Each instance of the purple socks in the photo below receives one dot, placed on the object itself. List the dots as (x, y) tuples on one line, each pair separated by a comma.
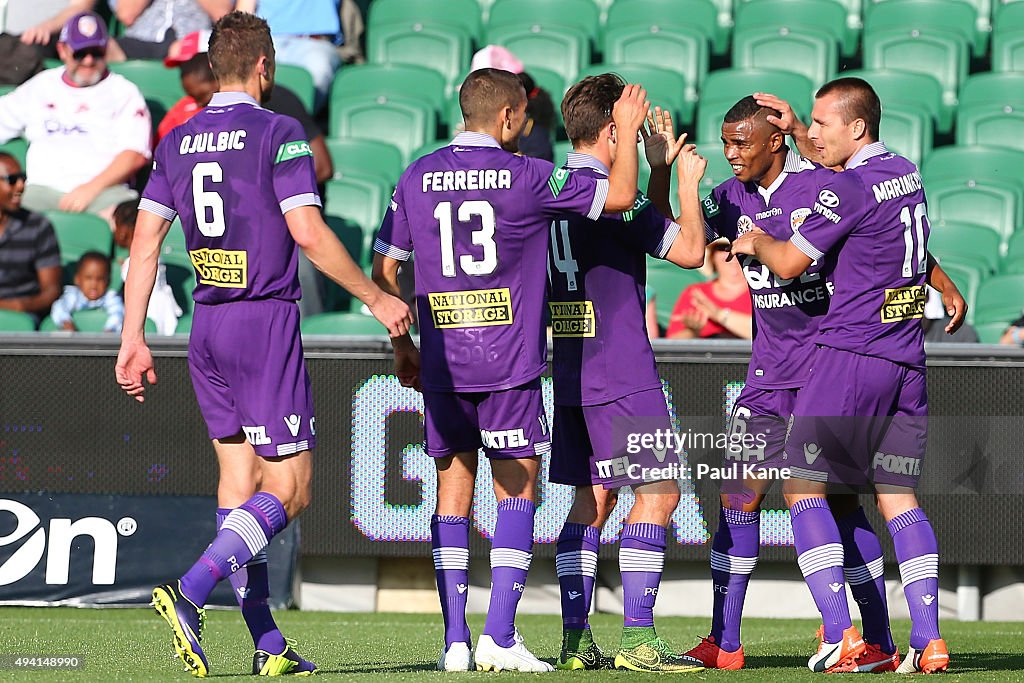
[(820, 556), (576, 566), (449, 538), (641, 560), (917, 551), (733, 559), (511, 553), (863, 569)]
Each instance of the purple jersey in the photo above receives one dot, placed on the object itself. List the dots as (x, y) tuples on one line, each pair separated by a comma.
[(231, 172), (875, 216), (786, 312), (477, 218), (597, 300)]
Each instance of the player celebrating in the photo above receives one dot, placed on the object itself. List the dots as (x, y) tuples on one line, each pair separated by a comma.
[(243, 182), (477, 218), (597, 307), (873, 218)]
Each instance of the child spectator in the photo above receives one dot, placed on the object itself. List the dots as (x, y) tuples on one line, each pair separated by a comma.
[(163, 308), (91, 290)]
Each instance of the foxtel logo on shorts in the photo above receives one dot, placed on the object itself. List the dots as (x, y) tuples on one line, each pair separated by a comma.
[(897, 464)]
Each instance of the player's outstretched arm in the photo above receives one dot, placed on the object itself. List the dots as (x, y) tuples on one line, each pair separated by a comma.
[(952, 300), (687, 251), (326, 252), (661, 148), (629, 114), (789, 124), (782, 258), (407, 356), (134, 360)]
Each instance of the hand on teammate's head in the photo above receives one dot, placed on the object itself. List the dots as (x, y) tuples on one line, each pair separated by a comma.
[(630, 111)]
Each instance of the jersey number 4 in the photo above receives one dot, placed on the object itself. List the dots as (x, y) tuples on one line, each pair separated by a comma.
[(562, 256), (208, 204), (482, 237)]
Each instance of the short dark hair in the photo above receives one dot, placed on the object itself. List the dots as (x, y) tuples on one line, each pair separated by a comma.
[(746, 109), (238, 40), (127, 213), (857, 100), (587, 107), (93, 256), (539, 105), (198, 66), (485, 92)]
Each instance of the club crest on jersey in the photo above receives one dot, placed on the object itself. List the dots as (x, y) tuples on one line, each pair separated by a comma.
[(828, 198), (797, 218), (744, 225)]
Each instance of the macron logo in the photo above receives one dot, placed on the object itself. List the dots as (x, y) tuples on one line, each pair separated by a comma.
[(811, 452), (573, 595), (928, 599), (836, 587), (293, 422), (462, 588)]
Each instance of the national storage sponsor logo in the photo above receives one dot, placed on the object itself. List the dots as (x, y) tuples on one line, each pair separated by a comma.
[(472, 308), (903, 303), (572, 319), (220, 268)]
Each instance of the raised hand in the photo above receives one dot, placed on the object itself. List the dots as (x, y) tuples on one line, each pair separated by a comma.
[(660, 144), (630, 111), (691, 166)]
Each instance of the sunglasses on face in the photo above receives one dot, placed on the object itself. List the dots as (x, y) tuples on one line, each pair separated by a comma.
[(13, 178), (94, 52)]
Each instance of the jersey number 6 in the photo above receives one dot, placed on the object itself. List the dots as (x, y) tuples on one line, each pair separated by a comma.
[(210, 224)]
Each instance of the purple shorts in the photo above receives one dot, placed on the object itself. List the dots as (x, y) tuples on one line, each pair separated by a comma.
[(592, 444), (758, 426), (506, 424), (249, 375), (860, 420)]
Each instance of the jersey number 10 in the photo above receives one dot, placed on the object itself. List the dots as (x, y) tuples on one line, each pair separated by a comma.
[(914, 222)]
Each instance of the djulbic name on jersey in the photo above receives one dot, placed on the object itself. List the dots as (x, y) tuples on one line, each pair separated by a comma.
[(212, 142)]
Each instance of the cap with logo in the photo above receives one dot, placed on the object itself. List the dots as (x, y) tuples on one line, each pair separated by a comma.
[(188, 47), (84, 30)]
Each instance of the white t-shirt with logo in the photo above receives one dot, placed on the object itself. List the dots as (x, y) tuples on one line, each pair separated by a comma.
[(74, 133)]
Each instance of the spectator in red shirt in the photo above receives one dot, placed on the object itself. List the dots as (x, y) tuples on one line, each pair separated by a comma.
[(718, 308)]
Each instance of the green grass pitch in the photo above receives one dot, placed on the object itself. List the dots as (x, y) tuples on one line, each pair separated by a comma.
[(135, 645)]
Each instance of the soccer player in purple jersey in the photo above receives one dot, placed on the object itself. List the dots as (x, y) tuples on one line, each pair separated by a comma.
[(477, 217), (861, 416), (597, 303), (774, 189), (242, 180)]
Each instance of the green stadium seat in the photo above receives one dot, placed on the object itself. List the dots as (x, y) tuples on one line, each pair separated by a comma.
[(723, 88), (89, 321), (16, 321), (993, 125), (907, 131), (952, 16), (299, 81), (562, 49), (184, 325), (17, 148), (993, 88), (1008, 37), (342, 323), (678, 48), (990, 203), (809, 52), (465, 14), (78, 233), (941, 54), (976, 163), (916, 90), (444, 49), (357, 242), (389, 80), (353, 155), (429, 148), (360, 199), (999, 298), (821, 16), (668, 284), (698, 15), (665, 88), (991, 333), (580, 14), (1012, 266), (953, 239), (404, 122), (159, 85), (1015, 246)]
